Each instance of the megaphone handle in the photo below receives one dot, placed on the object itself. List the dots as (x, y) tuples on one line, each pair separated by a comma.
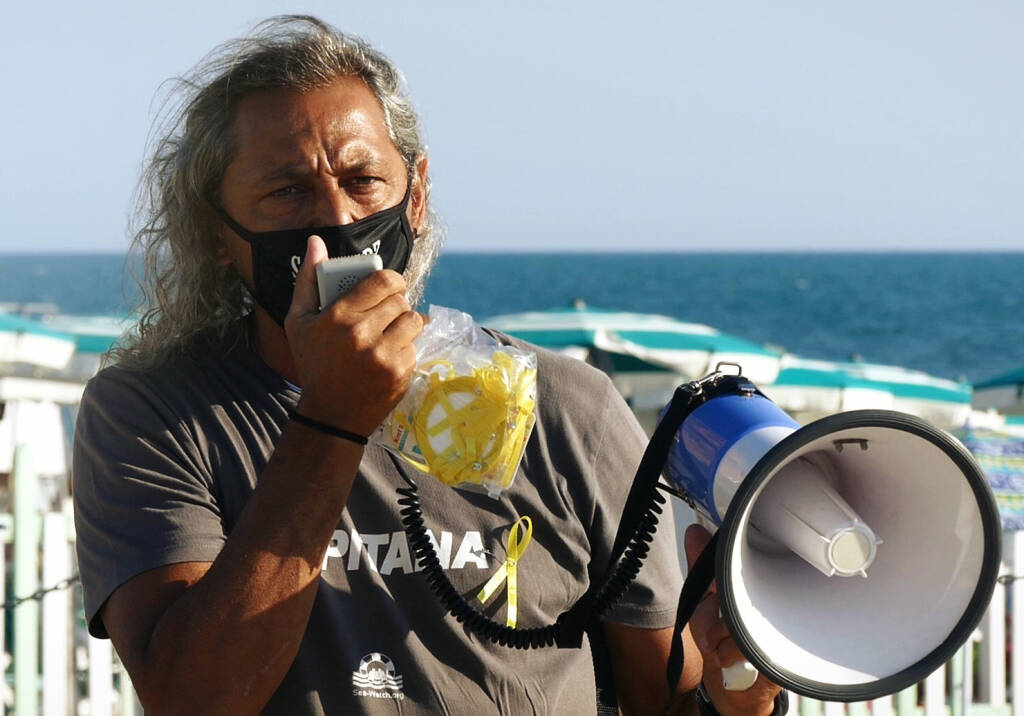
[(739, 677)]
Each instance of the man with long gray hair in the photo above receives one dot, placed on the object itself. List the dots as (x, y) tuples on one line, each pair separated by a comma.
[(238, 539)]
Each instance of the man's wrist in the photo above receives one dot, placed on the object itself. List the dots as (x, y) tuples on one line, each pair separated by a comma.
[(328, 429)]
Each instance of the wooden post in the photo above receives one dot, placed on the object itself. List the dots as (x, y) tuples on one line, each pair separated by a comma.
[(967, 692), (26, 582), (956, 680), (6, 532), (56, 615), (882, 707), (101, 677), (906, 701), (935, 693), (992, 656), (1015, 542), (810, 707)]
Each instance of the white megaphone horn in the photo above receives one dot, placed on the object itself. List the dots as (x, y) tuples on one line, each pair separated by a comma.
[(854, 555)]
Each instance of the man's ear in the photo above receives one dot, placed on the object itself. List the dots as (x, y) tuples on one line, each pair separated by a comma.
[(418, 195), (220, 249)]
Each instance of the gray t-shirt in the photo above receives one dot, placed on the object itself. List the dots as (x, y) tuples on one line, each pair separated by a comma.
[(164, 463)]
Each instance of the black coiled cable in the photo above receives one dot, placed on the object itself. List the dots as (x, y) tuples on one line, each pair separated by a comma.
[(612, 589), (600, 600), (632, 544)]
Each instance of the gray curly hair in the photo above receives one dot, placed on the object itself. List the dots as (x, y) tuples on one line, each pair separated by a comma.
[(186, 296)]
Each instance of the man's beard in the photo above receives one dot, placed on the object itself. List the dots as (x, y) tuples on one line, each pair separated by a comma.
[(424, 253)]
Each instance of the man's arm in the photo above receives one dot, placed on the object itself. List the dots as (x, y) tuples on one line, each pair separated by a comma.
[(640, 657), (219, 637)]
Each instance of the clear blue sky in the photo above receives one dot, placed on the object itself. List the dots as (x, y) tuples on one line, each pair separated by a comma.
[(581, 126)]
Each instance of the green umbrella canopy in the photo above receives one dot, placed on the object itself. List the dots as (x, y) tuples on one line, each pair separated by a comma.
[(640, 341), (25, 341), (10, 323), (1012, 378), (92, 334), (824, 387), (1004, 393)]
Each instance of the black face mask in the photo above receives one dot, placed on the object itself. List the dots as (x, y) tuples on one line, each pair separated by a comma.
[(277, 255)]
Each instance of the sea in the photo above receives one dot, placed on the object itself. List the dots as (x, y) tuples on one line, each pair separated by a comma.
[(953, 315)]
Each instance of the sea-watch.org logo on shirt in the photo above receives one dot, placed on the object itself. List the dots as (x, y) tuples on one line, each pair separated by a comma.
[(377, 678)]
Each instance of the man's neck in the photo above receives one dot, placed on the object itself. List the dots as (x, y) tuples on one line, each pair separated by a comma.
[(272, 345)]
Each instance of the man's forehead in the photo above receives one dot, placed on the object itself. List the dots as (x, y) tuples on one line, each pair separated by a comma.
[(343, 120), (274, 165), (346, 101)]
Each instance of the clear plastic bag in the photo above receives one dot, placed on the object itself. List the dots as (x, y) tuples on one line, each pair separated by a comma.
[(469, 410)]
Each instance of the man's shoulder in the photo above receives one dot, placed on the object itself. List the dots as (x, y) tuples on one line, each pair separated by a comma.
[(182, 379), (569, 390), (165, 375), (142, 399)]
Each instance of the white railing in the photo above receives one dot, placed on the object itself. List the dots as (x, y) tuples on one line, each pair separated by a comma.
[(80, 676)]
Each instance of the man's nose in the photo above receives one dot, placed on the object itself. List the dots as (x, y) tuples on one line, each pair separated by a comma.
[(334, 208)]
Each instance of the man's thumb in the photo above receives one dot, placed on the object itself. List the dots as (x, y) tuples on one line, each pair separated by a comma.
[(306, 298), (695, 539)]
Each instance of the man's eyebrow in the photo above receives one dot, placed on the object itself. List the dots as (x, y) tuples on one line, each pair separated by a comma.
[(357, 161), (298, 170), (285, 172)]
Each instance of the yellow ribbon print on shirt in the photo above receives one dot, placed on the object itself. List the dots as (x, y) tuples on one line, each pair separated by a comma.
[(508, 571)]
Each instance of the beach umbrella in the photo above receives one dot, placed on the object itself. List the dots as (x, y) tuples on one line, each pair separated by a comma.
[(813, 388), (1001, 457), (28, 342), (93, 337), (646, 355), (1004, 393), (639, 343), (92, 334), (1014, 424)]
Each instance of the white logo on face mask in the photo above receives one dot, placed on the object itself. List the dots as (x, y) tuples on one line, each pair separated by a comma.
[(377, 678), (296, 264), (372, 249)]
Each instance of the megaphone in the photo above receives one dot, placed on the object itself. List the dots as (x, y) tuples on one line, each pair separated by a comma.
[(854, 554)]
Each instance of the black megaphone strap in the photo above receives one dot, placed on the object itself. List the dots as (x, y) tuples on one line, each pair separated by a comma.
[(694, 588)]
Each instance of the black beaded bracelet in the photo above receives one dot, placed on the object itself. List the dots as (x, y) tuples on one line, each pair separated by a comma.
[(707, 708), (329, 429)]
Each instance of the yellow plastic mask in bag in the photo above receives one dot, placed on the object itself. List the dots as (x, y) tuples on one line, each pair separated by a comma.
[(470, 428)]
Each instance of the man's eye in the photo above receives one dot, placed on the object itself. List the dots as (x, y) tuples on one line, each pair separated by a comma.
[(287, 191), (362, 182)]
